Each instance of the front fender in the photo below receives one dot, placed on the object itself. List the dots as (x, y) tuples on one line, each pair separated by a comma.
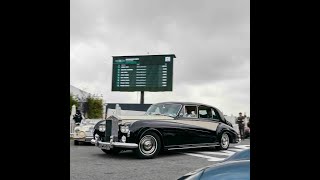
[(138, 133), (233, 135), (139, 128)]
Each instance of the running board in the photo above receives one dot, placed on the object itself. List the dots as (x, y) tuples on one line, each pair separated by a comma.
[(193, 146)]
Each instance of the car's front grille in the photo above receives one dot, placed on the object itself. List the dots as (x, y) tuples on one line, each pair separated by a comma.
[(108, 129), (112, 128)]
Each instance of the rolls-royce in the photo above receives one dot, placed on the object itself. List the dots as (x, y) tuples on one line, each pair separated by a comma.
[(165, 126)]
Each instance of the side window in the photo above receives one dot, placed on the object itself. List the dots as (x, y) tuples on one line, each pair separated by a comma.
[(215, 114), (205, 112), (190, 112)]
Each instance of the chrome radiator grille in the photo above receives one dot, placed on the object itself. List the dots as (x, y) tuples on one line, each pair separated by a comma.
[(112, 128)]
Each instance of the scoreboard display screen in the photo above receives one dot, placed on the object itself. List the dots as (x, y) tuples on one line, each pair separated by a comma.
[(142, 73)]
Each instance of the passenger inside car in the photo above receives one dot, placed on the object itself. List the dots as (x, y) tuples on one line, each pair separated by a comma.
[(190, 112)]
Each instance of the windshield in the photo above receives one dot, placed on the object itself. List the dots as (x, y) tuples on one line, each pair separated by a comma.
[(164, 109)]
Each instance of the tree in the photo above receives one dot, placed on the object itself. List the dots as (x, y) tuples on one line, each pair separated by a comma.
[(95, 107)]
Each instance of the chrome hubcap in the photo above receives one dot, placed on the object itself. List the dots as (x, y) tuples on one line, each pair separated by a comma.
[(225, 140), (148, 145)]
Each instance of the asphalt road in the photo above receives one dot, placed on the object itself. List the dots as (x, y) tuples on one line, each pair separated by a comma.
[(89, 162)]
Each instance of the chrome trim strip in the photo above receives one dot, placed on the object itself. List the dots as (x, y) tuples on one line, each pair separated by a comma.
[(190, 147), (194, 144)]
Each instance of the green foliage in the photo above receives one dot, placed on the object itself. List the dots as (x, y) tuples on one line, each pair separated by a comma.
[(95, 107)]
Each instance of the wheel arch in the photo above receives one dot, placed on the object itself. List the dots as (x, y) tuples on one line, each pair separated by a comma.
[(224, 129)]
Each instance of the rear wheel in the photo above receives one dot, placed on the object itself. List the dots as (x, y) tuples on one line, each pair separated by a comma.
[(224, 142), (149, 146)]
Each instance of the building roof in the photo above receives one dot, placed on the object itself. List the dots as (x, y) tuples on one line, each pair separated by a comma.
[(82, 95)]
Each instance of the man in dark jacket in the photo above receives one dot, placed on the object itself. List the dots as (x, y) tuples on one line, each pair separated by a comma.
[(240, 122), (77, 117)]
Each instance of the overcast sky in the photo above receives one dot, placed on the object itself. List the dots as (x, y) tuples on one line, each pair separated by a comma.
[(211, 39)]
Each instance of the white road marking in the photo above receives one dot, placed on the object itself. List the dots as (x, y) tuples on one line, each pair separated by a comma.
[(242, 146), (226, 153), (221, 153), (210, 158), (237, 150)]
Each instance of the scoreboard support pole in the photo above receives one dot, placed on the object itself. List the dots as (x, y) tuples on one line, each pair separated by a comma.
[(142, 97)]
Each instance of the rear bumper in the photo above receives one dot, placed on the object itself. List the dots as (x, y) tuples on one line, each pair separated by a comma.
[(110, 145)]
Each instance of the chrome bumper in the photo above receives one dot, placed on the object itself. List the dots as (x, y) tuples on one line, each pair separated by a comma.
[(86, 139), (109, 145)]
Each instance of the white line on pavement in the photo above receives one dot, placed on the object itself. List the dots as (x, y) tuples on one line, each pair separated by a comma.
[(237, 150), (242, 146), (210, 158), (221, 153)]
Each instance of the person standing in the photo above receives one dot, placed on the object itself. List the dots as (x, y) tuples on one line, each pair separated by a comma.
[(77, 117), (240, 122)]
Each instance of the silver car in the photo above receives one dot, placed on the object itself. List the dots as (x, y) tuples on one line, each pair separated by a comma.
[(83, 132)]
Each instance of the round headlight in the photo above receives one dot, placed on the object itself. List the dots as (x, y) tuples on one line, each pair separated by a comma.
[(102, 128), (124, 129), (123, 139), (96, 137), (82, 134), (76, 130)]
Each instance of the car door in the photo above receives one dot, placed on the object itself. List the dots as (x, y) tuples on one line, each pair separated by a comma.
[(207, 124), (177, 133), (203, 128)]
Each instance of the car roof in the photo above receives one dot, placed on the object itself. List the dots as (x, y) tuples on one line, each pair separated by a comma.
[(185, 103)]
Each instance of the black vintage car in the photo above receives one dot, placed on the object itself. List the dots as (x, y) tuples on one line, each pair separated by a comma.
[(165, 126)]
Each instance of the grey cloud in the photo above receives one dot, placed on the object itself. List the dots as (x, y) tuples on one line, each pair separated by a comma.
[(211, 40)]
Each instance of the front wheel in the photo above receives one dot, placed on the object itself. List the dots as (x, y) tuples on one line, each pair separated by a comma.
[(224, 142), (149, 146)]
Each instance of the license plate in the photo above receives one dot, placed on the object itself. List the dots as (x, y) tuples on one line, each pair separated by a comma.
[(103, 146)]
